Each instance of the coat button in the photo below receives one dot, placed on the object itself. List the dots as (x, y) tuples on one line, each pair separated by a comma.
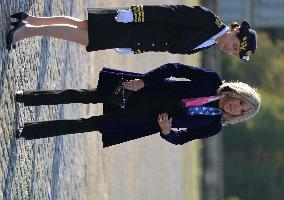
[(166, 44), (153, 44), (138, 44)]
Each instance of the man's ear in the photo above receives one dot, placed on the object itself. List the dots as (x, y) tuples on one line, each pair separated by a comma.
[(236, 30)]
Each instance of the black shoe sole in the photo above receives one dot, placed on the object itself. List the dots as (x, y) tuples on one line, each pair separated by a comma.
[(19, 98), (21, 16), (9, 37)]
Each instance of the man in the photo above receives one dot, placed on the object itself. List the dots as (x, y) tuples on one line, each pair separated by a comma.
[(177, 29)]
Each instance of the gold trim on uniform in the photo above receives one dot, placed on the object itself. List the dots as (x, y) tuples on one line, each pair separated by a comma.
[(249, 53), (243, 44), (137, 51), (138, 13), (218, 22)]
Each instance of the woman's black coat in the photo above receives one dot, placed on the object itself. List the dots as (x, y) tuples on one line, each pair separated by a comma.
[(140, 116)]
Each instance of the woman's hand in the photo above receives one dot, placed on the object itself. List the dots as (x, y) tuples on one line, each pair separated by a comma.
[(165, 123), (133, 85)]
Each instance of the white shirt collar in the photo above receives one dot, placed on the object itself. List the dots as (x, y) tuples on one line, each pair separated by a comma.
[(220, 33)]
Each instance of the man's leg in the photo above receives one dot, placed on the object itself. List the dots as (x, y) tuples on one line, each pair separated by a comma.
[(60, 31), (40, 21)]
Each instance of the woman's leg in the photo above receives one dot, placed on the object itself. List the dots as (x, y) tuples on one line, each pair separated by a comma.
[(54, 97), (40, 21), (44, 129), (60, 31)]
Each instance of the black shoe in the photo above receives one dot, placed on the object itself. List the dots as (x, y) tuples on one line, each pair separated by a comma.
[(21, 16), (10, 35), (19, 96), (19, 133), (14, 23)]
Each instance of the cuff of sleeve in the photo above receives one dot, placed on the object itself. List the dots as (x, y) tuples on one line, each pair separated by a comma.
[(123, 50), (166, 136), (138, 13), (146, 80)]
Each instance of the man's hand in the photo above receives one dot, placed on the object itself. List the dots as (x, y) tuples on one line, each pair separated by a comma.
[(165, 123), (124, 16), (133, 85)]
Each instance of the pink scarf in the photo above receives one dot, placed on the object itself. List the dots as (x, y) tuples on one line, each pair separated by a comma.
[(199, 101)]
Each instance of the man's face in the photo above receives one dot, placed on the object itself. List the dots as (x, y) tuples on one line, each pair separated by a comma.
[(230, 43)]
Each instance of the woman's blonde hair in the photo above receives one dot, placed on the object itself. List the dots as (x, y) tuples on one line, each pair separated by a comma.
[(246, 93)]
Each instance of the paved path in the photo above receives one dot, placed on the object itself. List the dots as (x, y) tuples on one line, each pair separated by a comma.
[(74, 167)]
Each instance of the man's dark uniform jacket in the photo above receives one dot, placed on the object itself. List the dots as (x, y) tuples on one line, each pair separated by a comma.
[(140, 116), (173, 28)]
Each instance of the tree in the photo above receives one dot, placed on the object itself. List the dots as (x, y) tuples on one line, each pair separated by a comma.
[(254, 151)]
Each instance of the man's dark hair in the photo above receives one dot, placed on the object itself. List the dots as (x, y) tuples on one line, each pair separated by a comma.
[(234, 25)]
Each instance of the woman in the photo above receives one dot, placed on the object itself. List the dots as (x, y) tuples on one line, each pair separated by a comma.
[(172, 28), (202, 105)]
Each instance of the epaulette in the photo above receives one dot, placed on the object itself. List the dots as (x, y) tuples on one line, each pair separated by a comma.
[(138, 13)]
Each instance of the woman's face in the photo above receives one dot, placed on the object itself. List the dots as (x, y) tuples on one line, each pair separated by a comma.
[(234, 106), (229, 43)]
